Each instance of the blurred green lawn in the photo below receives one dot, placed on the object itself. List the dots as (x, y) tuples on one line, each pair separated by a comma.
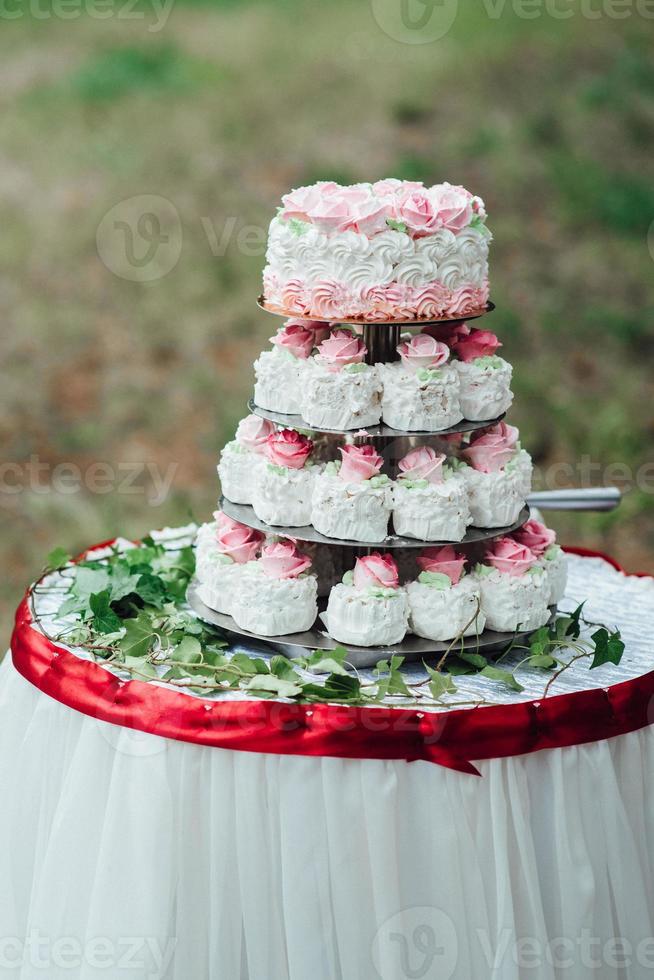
[(220, 112)]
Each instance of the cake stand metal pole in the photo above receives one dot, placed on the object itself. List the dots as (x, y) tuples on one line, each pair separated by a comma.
[(381, 341)]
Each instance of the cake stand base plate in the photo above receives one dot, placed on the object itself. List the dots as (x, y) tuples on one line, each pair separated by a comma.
[(299, 644)]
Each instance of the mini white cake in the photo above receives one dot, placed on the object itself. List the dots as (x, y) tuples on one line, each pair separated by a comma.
[(367, 619), (512, 603), (277, 595), (496, 499), (432, 511), (345, 399), (351, 499), (363, 610), (555, 565), (284, 488), (225, 551), (541, 541), (514, 590), (241, 459), (284, 496), (484, 387), (444, 611), (421, 392), (277, 385)]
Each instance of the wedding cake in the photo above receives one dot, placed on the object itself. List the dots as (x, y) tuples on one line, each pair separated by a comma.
[(375, 492)]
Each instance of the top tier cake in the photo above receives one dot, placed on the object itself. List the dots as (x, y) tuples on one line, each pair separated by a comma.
[(392, 250)]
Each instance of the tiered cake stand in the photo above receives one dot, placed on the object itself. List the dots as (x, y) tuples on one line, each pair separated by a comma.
[(381, 340)]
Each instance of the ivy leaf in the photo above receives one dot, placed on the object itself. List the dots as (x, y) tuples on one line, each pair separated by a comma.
[(326, 661), (188, 651), (574, 629), (504, 676), (440, 683), (151, 590), (143, 667), (275, 685), (250, 665), (539, 643), (105, 619), (393, 684), (475, 659), (609, 647), (139, 636), (543, 660), (282, 667), (337, 687), (57, 558)]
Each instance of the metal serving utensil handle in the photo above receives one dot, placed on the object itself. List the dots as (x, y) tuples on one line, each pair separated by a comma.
[(586, 498)]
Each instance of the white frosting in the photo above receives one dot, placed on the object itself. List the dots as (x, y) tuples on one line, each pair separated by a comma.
[(218, 576), (277, 386), (484, 392), (275, 607), (496, 499), (515, 601), (340, 399), (355, 511), (442, 614), (366, 620), (390, 256), (239, 470), (283, 496), (556, 570), (414, 405), (437, 512)]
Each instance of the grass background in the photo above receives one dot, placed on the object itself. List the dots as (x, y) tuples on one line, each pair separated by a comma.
[(220, 112)]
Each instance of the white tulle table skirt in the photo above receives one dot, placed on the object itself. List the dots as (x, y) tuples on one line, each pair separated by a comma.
[(127, 855)]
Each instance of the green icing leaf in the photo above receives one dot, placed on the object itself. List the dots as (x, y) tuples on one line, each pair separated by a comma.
[(435, 580), (429, 374), (356, 368), (381, 480), (298, 227), (332, 468), (348, 578), (280, 470), (396, 225), (492, 361), (413, 484)]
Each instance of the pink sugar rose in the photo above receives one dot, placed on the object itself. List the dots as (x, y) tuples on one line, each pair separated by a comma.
[(223, 521), (445, 561), (376, 571), (338, 211), (391, 185), (535, 536), (300, 201), (415, 208), (509, 557), (283, 560), (320, 328), (479, 343), (423, 463), (238, 542), (342, 348), (422, 351), (288, 448), (359, 463), (448, 333), (491, 452), (509, 433), (252, 433), (298, 340), (452, 206)]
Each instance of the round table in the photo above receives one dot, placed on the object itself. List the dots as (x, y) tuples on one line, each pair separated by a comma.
[(127, 853)]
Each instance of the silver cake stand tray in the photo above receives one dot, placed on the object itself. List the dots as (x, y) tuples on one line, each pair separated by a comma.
[(360, 322), (298, 644), (297, 422), (474, 535)]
